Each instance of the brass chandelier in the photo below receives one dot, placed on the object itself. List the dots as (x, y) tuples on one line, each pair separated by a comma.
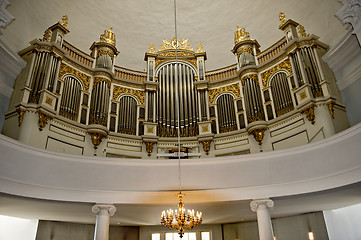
[(179, 219)]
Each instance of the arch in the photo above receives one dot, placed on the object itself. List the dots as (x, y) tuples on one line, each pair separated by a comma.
[(76, 78), (127, 114), (157, 68), (275, 73), (129, 95), (220, 94), (281, 93), (226, 113), (70, 98)]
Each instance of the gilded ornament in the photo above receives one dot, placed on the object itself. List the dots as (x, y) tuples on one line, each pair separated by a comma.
[(234, 88), (205, 129), (310, 113), (303, 95), (173, 54), (206, 146), (149, 147), (64, 21), (108, 37), (175, 44), (245, 49), (47, 35), (103, 52), (49, 101), (258, 134), (285, 65), (21, 113), (302, 32), (118, 90), (253, 77), (150, 130), (151, 48), (241, 35), (43, 120), (98, 80), (96, 138), (200, 48), (331, 108), (85, 79), (282, 18)]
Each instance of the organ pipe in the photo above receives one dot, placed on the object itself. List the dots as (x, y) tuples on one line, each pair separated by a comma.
[(176, 86)]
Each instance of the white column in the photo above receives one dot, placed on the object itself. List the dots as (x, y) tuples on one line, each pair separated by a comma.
[(103, 214), (302, 67), (260, 206)]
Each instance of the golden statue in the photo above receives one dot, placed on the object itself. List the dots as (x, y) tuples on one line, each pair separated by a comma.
[(47, 35), (200, 48), (240, 35), (64, 21), (108, 37), (302, 32), (151, 48), (282, 18)]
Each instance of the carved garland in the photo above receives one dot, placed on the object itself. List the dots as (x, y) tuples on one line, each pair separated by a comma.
[(85, 79), (149, 147), (254, 77), (206, 146), (191, 61), (234, 88), (118, 90), (285, 65)]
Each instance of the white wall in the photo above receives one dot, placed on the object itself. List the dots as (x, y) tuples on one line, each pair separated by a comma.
[(344, 223), (17, 228)]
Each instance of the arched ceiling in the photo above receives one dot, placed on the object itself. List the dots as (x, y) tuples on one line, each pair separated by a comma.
[(141, 22)]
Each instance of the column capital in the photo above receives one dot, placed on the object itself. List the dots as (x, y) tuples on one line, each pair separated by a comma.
[(257, 202), (104, 209)]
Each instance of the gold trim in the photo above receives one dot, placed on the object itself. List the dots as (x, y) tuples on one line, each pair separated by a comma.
[(241, 35), (21, 113), (85, 79), (234, 88), (331, 108), (118, 90), (49, 101), (285, 65)]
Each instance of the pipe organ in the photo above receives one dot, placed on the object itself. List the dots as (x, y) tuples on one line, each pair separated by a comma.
[(280, 94)]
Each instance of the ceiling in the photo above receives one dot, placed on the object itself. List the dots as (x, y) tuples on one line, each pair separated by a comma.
[(137, 23)]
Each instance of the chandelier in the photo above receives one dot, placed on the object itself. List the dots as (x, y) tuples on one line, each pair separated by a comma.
[(179, 219)]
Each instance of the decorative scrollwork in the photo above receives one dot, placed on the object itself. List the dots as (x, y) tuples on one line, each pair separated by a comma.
[(331, 108), (175, 44), (285, 65), (234, 88), (85, 79), (118, 90), (98, 80)]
